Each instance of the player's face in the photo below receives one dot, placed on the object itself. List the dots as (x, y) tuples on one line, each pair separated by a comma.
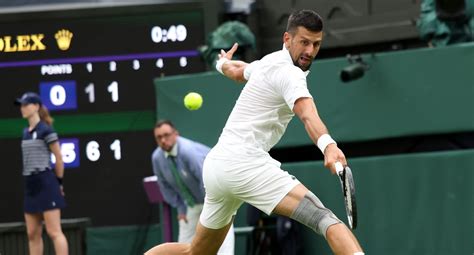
[(165, 137), (29, 110), (303, 46)]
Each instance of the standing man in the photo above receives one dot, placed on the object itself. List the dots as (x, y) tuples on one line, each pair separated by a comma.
[(177, 162), (239, 169)]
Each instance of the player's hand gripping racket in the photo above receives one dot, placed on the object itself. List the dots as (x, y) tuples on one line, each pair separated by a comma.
[(348, 190)]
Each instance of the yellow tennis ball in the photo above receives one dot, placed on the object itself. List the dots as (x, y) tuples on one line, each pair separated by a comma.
[(193, 101)]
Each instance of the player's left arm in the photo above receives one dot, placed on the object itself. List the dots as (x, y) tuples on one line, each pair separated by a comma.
[(306, 110), (233, 69)]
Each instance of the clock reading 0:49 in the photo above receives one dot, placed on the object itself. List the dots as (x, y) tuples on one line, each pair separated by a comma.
[(173, 34)]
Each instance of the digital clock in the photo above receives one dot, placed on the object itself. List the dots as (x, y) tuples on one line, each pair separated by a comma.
[(173, 33)]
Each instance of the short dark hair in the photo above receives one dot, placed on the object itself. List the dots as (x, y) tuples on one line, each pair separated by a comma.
[(163, 122), (304, 18)]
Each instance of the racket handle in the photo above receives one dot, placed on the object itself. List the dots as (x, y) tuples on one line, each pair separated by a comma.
[(339, 167)]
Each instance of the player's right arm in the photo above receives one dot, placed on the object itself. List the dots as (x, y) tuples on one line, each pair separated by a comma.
[(290, 82), (306, 110)]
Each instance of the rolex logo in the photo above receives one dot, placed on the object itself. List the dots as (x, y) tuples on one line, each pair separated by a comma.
[(63, 38)]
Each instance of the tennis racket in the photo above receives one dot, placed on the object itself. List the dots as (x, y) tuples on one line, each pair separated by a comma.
[(348, 190)]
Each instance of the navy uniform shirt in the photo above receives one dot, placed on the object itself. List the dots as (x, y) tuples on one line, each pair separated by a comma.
[(35, 148)]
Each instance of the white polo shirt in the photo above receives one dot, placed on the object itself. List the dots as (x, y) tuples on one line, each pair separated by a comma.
[(264, 107)]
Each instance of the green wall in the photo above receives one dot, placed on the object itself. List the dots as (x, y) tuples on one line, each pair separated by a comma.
[(424, 91)]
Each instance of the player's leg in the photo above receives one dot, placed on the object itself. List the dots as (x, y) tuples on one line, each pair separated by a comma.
[(52, 221), (170, 249), (34, 230), (341, 240), (206, 241), (228, 246), (188, 230), (303, 206)]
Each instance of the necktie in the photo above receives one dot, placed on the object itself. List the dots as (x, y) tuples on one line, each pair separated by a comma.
[(182, 187)]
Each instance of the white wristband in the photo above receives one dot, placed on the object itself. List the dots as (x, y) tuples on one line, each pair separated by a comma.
[(324, 141), (219, 64)]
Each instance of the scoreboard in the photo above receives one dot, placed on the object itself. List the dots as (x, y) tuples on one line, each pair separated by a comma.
[(94, 71), (99, 63)]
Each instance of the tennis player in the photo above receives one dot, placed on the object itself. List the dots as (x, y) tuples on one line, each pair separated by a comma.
[(239, 169)]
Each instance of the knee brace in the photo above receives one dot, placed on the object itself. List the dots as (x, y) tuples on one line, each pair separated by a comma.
[(312, 213)]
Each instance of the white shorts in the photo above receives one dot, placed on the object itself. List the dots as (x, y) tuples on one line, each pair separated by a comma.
[(229, 183)]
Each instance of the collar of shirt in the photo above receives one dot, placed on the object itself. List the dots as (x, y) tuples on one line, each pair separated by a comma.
[(35, 127), (173, 152), (287, 55)]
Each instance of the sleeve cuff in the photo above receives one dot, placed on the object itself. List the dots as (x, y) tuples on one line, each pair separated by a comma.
[(249, 69)]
